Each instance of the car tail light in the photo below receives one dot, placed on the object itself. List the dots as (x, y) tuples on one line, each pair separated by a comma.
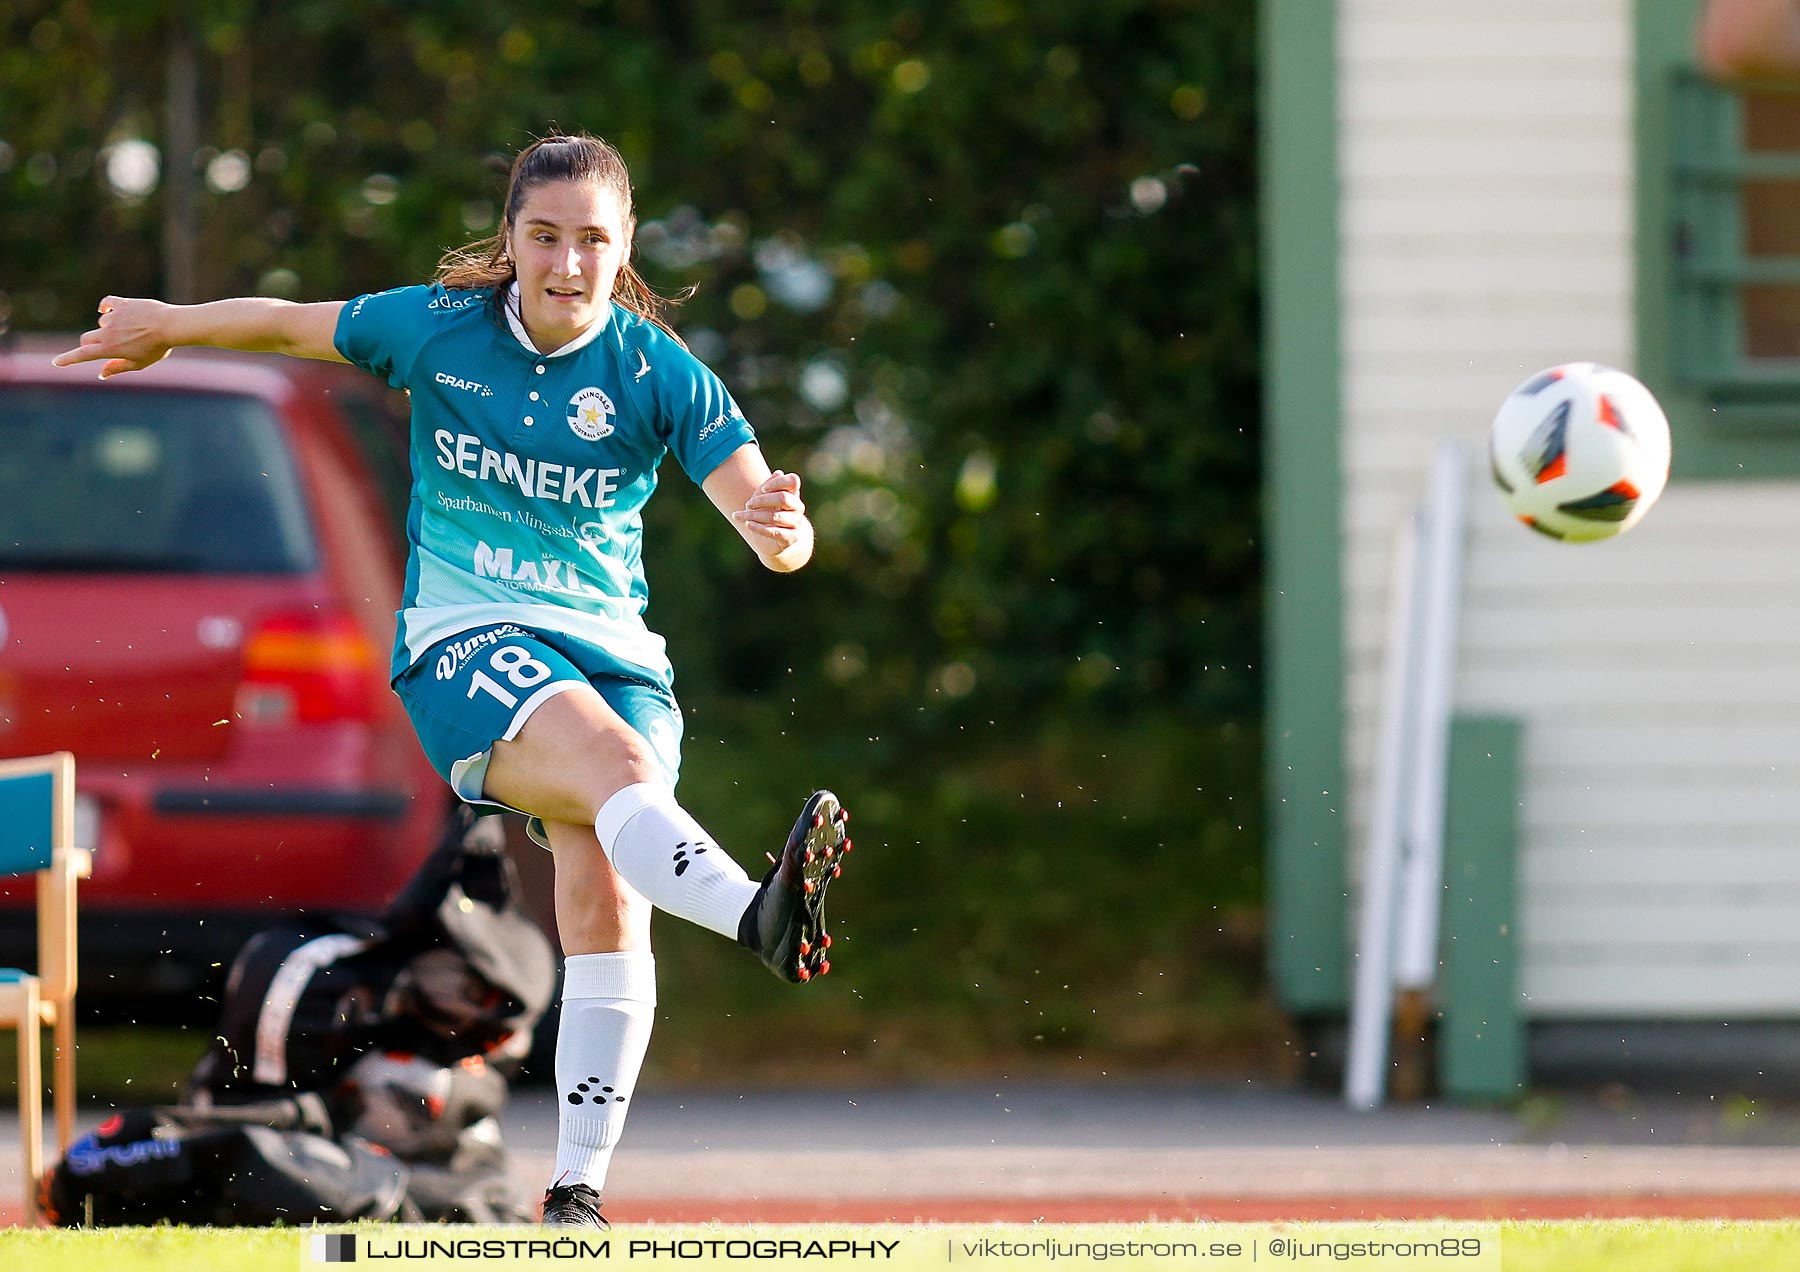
[(308, 668)]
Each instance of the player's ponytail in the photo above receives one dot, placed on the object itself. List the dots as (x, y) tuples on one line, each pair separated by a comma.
[(560, 157)]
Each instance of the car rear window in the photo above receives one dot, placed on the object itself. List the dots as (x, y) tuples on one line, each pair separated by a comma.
[(380, 433), (134, 480)]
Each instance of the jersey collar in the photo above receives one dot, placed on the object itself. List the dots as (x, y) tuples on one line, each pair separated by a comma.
[(518, 328)]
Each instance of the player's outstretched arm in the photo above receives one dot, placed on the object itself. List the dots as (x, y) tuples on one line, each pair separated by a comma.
[(765, 507), (132, 334)]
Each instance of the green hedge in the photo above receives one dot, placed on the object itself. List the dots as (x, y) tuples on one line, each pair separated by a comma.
[(983, 271)]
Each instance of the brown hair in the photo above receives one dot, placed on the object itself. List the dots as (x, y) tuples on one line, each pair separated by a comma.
[(559, 157)]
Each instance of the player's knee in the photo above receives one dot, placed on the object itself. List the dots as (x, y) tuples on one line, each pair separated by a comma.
[(622, 810), (635, 762), (603, 763)]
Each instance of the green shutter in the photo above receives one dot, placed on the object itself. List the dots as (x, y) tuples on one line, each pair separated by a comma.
[(1481, 1041), (1304, 611)]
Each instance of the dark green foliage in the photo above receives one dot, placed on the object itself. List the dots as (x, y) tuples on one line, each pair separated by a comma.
[(1085, 904), (983, 271)]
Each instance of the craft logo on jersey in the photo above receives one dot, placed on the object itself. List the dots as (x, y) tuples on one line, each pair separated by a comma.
[(590, 414)]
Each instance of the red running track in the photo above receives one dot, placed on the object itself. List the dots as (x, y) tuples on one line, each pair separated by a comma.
[(1213, 1209)]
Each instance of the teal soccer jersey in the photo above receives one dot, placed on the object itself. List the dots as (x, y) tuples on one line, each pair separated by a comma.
[(530, 470)]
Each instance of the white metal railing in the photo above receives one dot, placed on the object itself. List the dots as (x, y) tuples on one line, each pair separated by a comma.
[(1402, 867)]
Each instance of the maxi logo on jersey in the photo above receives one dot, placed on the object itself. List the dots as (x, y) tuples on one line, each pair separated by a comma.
[(544, 574), (590, 414), (463, 453)]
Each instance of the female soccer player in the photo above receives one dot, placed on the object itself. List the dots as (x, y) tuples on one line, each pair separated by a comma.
[(545, 390)]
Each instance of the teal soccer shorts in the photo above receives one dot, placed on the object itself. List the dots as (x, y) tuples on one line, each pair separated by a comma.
[(480, 687)]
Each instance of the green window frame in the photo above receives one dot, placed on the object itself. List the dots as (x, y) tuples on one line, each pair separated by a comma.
[(1733, 415), (1308, 935)]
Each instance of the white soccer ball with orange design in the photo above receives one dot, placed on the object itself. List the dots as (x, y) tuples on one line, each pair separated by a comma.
[(1580, 452)]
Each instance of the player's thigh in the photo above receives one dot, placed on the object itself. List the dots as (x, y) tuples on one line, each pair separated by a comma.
[(472, 696), (569, 758)]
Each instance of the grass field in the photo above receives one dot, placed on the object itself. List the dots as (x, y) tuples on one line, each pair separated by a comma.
[(1581, 1246)]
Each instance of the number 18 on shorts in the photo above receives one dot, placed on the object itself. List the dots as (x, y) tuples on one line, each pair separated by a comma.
[(513, 661), (477, 688)]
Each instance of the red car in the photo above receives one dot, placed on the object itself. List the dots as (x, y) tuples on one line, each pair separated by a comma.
[(199, 568)]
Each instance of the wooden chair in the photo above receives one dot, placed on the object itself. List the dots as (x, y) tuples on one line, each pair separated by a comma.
[(37, 832)]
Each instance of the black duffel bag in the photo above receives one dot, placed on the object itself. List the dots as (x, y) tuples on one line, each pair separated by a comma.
[(208, 1167), (455, 967)]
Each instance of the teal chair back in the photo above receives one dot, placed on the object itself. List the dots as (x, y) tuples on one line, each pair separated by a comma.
[(27, 822), (37, 823)]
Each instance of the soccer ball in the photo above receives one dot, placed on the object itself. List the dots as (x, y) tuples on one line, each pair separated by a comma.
[(1580, 452)]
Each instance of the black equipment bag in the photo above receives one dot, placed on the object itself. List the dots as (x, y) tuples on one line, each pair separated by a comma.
[(304, 999), (183, 1166), (443, 1122), (358, 1069), (401, 1140), (454, 968)]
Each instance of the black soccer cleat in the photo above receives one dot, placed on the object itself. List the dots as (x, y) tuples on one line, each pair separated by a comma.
[(573, 1206), (785, 924)]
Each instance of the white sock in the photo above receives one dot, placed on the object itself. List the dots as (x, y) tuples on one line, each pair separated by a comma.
[(609, 1004), (662, 852)]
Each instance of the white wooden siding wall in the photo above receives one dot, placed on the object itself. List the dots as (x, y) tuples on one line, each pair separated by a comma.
[(1487, 213)]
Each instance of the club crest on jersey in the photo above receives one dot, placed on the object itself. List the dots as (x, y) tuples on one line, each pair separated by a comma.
[(590, 414)]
